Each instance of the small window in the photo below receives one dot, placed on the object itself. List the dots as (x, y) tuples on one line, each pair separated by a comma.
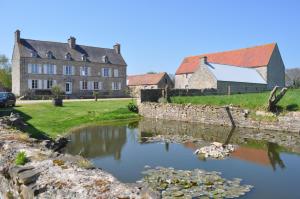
[(49, 84), (105, 72), (116, 86), (105, 59), (84, 85), (68, 56), (34, 84), (49, 55), (68, 70), (96, 85), (84, 71), (34, 69), (33, 54), (83, 57), (50, 69)]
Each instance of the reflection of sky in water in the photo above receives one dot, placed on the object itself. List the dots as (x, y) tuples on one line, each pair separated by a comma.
[(118, 151)]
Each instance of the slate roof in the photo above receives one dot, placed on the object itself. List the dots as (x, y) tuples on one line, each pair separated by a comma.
[(146, 79), (59, 50), (235, 74), (252, 57)]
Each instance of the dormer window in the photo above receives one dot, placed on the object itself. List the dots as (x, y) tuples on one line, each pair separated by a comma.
[(105, 59), (33, 54), (83, 57), (68, 56), (49, 55)]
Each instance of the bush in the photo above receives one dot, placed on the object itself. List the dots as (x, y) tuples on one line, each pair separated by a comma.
[(132, 107), (56, 92), (21, 158)]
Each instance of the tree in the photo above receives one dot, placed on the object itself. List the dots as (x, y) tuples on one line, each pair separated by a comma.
[(151, 72), (5, 72), (293, 77)]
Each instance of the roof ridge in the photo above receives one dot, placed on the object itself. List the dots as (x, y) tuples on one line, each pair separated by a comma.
[(148, 74), (64, 43), (251, 47)]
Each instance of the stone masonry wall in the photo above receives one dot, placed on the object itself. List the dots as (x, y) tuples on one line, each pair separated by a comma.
[(226, 116)]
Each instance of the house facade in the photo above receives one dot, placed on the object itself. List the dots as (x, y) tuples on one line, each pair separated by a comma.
[(148, 81), (238, 71), (79, 70)]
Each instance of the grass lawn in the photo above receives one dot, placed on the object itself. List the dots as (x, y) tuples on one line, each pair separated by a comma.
[(45, 119), (254, 101)]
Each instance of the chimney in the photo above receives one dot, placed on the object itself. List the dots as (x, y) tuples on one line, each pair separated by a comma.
[(117, 48), (203, 60), (17, 36), (72, 42)]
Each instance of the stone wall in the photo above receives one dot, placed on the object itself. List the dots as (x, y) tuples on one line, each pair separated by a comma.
[(152, 95), (226, 116), (240, 87)]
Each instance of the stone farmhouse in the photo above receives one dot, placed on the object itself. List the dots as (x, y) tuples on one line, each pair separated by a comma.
[(251, 69), (148, 81), (79, 70)]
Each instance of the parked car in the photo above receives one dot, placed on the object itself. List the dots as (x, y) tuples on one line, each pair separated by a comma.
[(7, 99)]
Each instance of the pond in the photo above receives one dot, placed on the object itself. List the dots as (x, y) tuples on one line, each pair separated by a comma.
[(124, 150)]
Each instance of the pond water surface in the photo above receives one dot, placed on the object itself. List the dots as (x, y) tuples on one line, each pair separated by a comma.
[(272, 169)]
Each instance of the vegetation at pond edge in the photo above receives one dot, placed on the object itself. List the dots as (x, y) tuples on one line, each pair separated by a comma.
[(254, 101), (45, 119)]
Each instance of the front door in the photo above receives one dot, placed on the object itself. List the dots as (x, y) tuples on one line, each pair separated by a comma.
[(68, 88)]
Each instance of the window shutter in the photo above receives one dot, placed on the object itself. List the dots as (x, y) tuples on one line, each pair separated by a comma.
[(73, 70), (80, 84), (29, 68), (89, 71), (100, 85), (40, 68), (119, 86), (64, 70), (45, 84), (80, 71), (112, 86), (109, 73), (54, 69), (29, 84), (45, 69), (102, 72), (89, 85), (40, 84), (116, 73), (54, 82)]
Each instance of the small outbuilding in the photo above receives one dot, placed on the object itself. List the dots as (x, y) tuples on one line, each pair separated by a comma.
[(148, 81)]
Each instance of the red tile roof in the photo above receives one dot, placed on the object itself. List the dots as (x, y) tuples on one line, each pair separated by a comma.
[(252, 57), (146, 79)]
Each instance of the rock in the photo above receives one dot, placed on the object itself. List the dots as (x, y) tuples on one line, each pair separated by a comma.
[(28, 176), (215, 150)]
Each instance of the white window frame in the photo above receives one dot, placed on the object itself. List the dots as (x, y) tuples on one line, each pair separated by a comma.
[(84, 85), (96, 85), (68, 70), (105, 72), (50, 69), (84, 71), (49, 84), (116, 86), (34, 69), (34, 84)]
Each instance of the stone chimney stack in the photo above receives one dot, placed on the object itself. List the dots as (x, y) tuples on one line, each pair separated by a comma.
[(203, 60), (72, 42), (117, 48), (17, 36)]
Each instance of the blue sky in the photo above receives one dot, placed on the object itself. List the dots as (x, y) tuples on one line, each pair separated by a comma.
[(156, 35)]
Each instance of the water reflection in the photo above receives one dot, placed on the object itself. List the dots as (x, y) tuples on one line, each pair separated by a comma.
[(98, 141)]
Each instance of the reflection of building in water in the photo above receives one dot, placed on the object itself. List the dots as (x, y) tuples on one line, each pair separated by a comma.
[(98, 141)]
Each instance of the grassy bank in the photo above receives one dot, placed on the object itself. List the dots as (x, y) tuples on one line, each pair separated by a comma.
[(45, 119), (254, 101)]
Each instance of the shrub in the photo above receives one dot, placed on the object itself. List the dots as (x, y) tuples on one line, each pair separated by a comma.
[(57, 92), (132, 107), (21, 158)]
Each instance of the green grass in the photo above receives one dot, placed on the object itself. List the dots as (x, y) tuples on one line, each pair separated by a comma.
[(21, 158), (254, 101), (45, 119)]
